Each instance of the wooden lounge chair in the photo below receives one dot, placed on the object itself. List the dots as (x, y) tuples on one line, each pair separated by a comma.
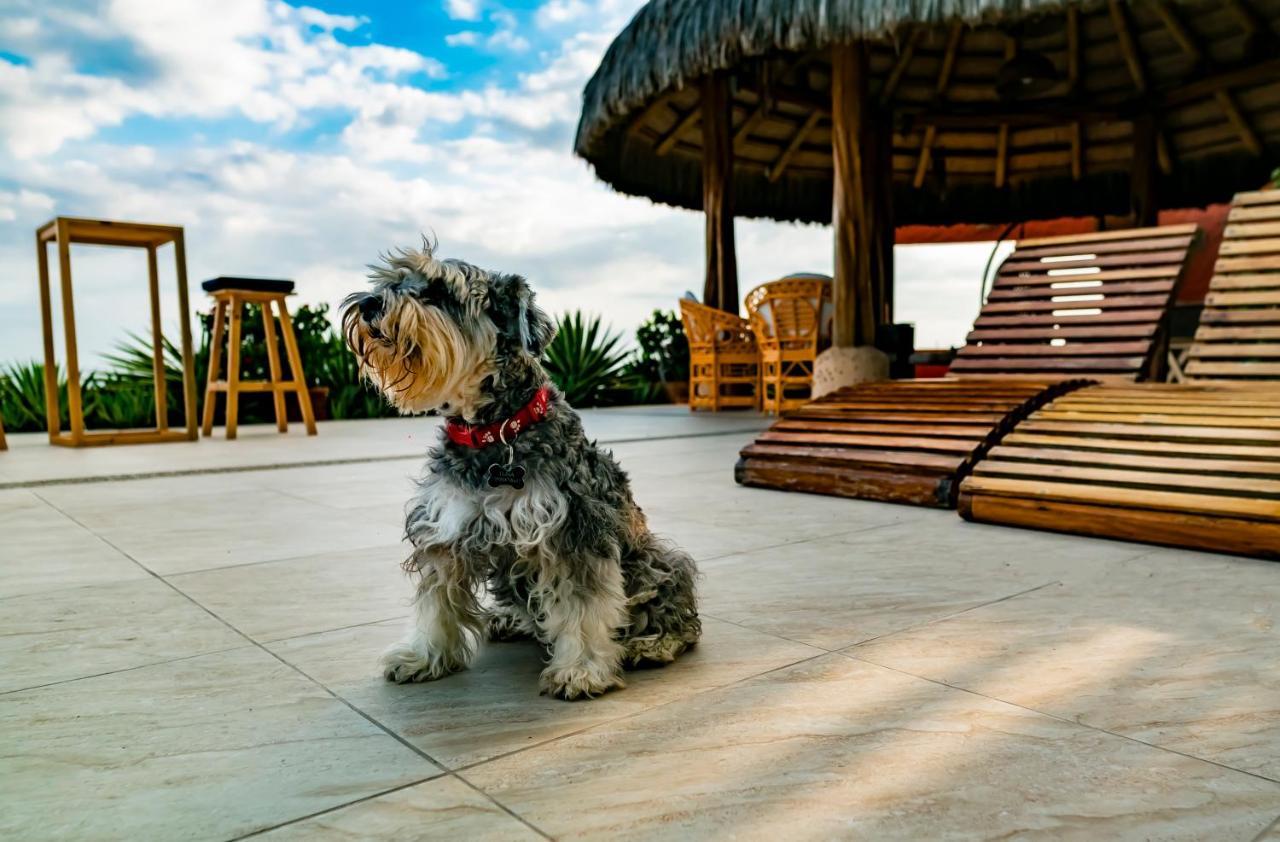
[(791, 319), (724, 360), (1063, 312), (1195, 464)]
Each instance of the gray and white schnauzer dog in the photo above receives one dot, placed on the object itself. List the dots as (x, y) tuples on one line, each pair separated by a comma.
[(514, 496)]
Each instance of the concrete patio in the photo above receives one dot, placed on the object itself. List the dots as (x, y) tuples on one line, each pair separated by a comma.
[(189, 637)]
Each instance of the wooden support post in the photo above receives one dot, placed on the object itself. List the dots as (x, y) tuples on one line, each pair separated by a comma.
[(860, 203), (1144, 175), (721, 287), (52, 410), (188, 348), (74, 399), (157, 342)]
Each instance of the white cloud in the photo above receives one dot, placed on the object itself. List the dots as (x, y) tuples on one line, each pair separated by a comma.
[(462, 9), (467, 38)]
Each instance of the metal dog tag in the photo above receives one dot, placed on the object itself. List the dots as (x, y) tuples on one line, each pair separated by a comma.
[(512, 475)]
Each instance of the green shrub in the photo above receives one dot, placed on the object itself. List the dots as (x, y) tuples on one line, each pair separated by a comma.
[(662, 356)]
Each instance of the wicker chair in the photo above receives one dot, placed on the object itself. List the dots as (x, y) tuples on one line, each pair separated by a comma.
[(791, 319), (724, 362)]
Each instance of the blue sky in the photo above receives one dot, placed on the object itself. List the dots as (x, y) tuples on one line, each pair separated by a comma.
[(300, 140)]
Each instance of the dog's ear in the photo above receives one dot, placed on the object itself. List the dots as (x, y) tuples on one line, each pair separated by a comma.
[(518, 317)]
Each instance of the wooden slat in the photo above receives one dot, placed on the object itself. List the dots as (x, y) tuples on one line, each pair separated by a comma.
[(1140, 317), (1151, 462), (1247, 350), (1148, 258), (1049, 332), (1240, 369), (1124, 497), (1166, 431), (1044, 291), (1262, 488), (1150, 272), (1255, 281), (1198, 448), (1116, 302), (1107, 236), (1064, 365), (1045, 350), (1150, 243)]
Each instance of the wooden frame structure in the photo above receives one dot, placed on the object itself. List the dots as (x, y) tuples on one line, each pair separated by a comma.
[(63, 231), (227, 309)]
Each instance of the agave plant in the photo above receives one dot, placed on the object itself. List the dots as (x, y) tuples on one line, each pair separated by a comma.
[(586, 360), (22, 403)]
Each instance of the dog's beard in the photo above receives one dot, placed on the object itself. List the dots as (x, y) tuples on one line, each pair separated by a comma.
[(421, 359)]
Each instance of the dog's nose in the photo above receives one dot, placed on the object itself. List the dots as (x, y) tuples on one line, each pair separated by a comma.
[(370, 308)]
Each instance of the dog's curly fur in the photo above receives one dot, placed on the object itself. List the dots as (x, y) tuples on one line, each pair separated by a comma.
[(569, 558)]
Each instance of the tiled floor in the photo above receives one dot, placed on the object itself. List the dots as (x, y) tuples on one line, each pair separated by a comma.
[(192, 656)]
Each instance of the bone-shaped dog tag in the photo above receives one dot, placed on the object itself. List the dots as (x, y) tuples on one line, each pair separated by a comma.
[(512, 475)]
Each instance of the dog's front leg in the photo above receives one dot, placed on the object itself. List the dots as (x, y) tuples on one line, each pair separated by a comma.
[(446, 626), (580, 619)]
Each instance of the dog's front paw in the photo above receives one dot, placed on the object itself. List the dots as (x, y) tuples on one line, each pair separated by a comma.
[(580, 681), (405, 662)]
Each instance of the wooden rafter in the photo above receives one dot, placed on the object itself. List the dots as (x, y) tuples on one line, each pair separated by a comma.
[(1163, 156), (1245, 17), (1002, 133), (1073, 88), (940, 89), (683, 123), (1184, 38), (1128, 46), (900, 66), (776, 169), (1237, 119), (753, 120)]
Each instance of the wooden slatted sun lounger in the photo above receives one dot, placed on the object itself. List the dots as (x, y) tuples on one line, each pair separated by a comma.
[(1193, 465), (1063, 312)]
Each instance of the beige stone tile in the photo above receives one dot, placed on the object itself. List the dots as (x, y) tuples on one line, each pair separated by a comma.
[(277, 599), (1272, 833), (715, 500), (494, 708), (204, 748), (1176, 649), (828, 594), (42, 550), (196, 532), (77, 632), (833, 748), (444, 808)]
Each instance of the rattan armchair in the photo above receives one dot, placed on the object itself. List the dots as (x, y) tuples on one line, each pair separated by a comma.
[(791, 319), (724, 361)]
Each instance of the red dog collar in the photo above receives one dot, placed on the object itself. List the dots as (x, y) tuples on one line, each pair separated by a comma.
[(481, 436)]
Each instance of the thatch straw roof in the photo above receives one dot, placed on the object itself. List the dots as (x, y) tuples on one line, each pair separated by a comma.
[(1207, 70)]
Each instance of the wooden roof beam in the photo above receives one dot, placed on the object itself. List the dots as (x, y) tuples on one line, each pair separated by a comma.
[(1237, 119), (1128, 46), (1073, 88), (1184, 38), (1002, 133), (954, 37), (683, 124), (775, 170), (900, 66)]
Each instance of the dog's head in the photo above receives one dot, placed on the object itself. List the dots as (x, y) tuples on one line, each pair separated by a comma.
[(431, 333)]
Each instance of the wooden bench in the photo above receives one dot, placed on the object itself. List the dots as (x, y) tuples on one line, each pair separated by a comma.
[(1063, 312)]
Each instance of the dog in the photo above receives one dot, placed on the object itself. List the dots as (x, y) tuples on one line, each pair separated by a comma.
[(515, 500)]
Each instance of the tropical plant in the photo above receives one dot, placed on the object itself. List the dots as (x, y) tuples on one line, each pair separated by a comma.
[(22, 403), (586, 360)]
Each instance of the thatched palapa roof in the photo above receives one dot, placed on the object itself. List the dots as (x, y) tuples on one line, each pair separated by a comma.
[(1206, 71)]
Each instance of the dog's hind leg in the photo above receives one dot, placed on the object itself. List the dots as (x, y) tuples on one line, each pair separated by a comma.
[(581, 621), (447, 623)]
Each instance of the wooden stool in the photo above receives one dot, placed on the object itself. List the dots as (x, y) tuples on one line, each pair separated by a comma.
[(228, 295)]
